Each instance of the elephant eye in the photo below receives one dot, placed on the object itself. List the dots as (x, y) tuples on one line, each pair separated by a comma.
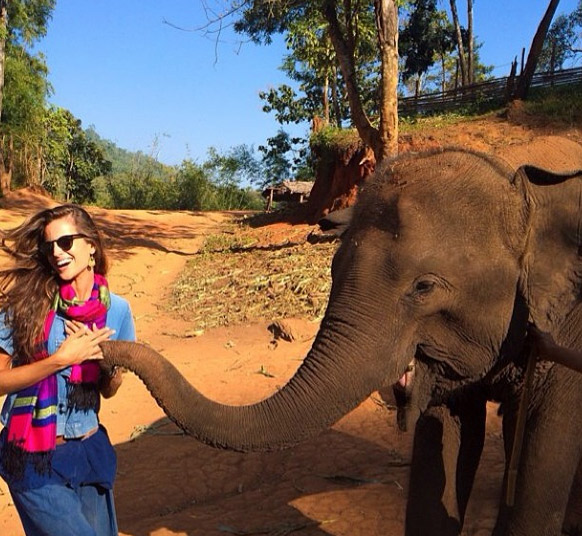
[(422, 287)]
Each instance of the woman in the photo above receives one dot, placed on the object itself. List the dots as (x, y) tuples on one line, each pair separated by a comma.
[(55, 309)]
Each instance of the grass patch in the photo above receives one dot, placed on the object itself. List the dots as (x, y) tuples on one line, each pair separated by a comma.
[(241, 284), (417, 123), (227, 241), (563, 103)]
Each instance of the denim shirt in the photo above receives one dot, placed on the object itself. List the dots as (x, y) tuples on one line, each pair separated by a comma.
[(72, 422)]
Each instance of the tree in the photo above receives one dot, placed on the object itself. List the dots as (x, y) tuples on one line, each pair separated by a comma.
[(260, 19), (284, 157), (447, 74), (217, 183), (22, 23), (561, 41), (313, 64), (460, 44), (465, 42), (71, 160), (3, 35), (526, 77), (470, 44), (425, 39), (21, 130), (86, 162)]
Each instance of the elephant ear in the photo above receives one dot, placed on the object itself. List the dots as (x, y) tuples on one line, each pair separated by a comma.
[(551, 275), (336, 223), (544, 177)]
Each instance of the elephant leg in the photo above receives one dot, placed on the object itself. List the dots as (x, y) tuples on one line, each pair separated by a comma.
[(573, 518), (547, 467), (446, 452)]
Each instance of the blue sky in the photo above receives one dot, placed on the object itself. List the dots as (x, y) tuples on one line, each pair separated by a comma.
[(147, 86)]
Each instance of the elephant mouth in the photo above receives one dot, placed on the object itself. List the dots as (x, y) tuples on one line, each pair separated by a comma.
[(425, 381), (437, 363), (406, 379)]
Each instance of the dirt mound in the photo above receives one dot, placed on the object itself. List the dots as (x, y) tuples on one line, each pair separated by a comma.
[(30, 199)]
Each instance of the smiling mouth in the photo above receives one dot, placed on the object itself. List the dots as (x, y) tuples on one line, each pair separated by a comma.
[(63, 263)]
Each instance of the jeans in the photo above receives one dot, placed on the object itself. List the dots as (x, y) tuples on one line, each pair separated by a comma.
[(57, 510)]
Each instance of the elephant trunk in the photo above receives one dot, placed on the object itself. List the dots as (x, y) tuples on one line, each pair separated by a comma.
[(334, 378)]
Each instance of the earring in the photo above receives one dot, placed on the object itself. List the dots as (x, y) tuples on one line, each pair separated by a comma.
[(91, 263)]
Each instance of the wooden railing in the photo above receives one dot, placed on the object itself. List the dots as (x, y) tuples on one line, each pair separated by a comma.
[(490, 92)]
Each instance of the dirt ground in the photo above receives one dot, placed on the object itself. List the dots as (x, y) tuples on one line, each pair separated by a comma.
[(349, 481)]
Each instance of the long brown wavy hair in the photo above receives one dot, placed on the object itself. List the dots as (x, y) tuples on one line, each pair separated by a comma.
[(28, 286)]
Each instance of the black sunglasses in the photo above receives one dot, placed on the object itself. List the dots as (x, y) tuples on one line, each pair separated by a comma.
[(64, 242)]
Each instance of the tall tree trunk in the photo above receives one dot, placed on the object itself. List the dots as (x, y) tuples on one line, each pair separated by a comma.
[(335, 99), (6, 153), (470, 51), (417, 86), (325, 97), (382, 140), (39, 165), (344, 51), (537, 44), (460, 46), (387, 27), (443, 74), (5, 171)]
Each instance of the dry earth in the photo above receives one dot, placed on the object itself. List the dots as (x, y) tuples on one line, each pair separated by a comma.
[(349, 481)]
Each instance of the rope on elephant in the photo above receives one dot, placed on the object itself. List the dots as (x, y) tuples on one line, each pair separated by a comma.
[(519, 430)]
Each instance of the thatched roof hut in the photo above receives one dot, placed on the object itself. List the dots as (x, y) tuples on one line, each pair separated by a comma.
[(290, 191)]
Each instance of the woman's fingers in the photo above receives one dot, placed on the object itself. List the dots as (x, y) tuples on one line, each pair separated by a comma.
[(75, 329), (102, 334), (74, 326), (82, 343), (98, 336)]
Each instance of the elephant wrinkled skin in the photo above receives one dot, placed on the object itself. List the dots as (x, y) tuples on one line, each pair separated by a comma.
[(447, 256)]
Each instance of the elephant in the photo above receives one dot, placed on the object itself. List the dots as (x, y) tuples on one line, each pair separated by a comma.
[(447, 256)]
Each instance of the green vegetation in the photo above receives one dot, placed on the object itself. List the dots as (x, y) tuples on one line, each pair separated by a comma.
[(335, 138), (562, 103), (417, 123), (147, 184), (562, 41)]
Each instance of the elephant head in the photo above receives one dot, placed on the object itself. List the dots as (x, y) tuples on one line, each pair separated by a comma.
[(551, 157), (446, 256)]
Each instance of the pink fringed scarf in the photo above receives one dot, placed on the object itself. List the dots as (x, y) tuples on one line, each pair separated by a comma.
[(31, 427), (84, 377)]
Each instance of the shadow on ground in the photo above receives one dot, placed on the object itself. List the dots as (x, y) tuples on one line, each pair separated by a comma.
[(193, 489)]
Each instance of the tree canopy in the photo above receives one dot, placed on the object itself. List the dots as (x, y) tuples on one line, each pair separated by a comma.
[(563, 41), (349, 27)]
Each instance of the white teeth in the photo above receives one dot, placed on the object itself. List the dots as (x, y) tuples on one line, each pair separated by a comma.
[(63, 262)]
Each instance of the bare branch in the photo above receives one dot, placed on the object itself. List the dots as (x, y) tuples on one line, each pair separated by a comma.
[(216, 23)]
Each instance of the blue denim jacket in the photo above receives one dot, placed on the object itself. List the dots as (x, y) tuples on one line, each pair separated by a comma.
[(72, 422)]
